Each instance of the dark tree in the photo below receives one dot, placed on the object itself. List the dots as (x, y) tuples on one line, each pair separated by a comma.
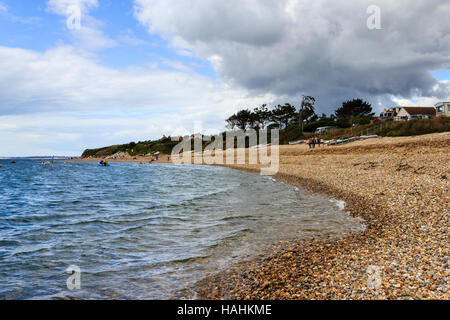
[(288, 113), (261, 115), (356, 108), (306, 109), (282, 115), (313, 118), (242, 120), (276, 116), (232, 122)]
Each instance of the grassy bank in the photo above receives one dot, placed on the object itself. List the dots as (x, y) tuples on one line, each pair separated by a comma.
[(164, 146), (291, 133), (395, 129)]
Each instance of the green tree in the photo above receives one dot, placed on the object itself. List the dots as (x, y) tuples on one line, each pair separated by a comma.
[(356, 108)]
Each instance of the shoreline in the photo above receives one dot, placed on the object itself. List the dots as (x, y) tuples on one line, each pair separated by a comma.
[(145, 160), (209, 288), (399, 186), (411, 260)]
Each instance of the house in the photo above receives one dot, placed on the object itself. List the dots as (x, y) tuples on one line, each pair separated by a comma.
[(443, 109), (409, 113), (389, 114)]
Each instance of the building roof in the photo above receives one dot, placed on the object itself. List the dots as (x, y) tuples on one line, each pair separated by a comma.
[(420, 110)]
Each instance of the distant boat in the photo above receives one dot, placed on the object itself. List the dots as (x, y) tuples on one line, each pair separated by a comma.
[(103, 164)]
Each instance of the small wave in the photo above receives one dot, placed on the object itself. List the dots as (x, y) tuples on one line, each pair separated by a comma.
[(137, 231), (339, 203), (191, 259), (23, 251), (6, 243), (31, 219), (232, 218)]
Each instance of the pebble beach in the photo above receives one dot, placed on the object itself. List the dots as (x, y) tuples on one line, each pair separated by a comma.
[(398, 186)]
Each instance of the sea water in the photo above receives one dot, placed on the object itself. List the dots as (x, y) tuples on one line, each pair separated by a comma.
[(142, 231)]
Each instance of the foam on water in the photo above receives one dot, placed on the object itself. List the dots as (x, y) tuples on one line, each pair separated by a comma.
[(339, 203)]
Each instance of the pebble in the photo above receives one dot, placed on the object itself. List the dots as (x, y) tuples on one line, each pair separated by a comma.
[(399, 187)]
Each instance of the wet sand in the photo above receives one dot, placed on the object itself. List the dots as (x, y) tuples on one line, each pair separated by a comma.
[(399, 186)]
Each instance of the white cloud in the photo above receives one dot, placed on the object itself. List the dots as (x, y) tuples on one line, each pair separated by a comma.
[(61, 6), (264, 51), (59, 94), (88, 36), (321, 47), (62, 80), (127, 37)]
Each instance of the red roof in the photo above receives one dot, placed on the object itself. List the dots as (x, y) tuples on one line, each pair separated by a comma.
[(420, 110)]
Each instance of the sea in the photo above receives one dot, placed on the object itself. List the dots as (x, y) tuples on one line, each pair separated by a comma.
[(75, 230)]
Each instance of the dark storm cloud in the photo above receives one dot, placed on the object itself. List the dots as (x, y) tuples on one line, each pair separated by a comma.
[(324, 48)]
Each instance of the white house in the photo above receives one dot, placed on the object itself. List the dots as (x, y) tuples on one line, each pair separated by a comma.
[(409, 113), (443, 109), (389, 114)]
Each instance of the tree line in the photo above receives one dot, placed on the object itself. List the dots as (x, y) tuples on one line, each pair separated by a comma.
[(304, 117)]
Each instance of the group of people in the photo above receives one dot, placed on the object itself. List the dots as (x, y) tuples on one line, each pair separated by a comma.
[(312, 142)]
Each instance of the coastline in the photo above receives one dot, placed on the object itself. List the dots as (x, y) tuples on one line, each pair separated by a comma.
[(398, 186), (147, 160)]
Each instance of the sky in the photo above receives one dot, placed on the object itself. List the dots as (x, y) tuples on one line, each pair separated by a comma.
[(77, 74)]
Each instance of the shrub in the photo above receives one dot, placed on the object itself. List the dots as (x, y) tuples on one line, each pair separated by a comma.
[(417, 127), (361, 120), (311, 127)]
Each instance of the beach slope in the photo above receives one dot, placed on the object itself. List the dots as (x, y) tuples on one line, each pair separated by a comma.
[(399, 186)]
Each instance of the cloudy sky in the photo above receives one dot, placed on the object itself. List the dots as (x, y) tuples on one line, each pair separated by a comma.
[(137, 69)]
